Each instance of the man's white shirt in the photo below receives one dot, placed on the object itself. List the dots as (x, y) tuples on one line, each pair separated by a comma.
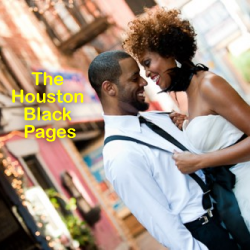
[(148, 181)]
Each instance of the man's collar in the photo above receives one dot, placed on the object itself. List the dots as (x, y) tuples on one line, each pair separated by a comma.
[(123, 122)]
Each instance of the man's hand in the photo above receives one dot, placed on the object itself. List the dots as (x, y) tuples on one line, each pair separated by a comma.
[(178, 119), (186, 162)]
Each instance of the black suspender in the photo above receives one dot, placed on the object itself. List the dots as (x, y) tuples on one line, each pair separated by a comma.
[(206, 202)]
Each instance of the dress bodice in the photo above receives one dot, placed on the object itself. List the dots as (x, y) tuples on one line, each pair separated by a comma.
[(210, 133), (213, 132)]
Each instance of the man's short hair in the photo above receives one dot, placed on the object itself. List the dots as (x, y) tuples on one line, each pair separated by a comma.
[(106, 67)]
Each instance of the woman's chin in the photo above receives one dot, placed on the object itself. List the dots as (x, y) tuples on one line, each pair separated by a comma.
[(162, 87)]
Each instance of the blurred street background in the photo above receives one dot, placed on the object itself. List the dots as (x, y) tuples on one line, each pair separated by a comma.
[(54, 195)]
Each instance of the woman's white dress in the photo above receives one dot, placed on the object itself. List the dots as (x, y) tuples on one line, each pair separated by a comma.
[(213, 132)]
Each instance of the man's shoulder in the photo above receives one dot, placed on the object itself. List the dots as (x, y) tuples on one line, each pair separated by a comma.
[(121, 157), (117, 147), (122, 146)]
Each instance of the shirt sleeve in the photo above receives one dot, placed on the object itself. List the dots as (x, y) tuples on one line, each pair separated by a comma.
[(130, 174)]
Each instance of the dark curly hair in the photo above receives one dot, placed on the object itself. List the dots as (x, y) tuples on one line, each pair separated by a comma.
[(161, 31)]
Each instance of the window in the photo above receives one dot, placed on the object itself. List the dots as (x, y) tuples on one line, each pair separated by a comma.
[(43, 179), (90, 214), (27, 153), (38, 172)]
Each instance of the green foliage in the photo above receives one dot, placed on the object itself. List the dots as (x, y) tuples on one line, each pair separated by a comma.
[(78, 229), (71, 204), (242, 63), (80, 232)]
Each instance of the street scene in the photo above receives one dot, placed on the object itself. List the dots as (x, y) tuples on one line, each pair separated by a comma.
[(54, 191)]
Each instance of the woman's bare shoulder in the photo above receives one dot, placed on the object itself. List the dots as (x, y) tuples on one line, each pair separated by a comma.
[(214, 83)]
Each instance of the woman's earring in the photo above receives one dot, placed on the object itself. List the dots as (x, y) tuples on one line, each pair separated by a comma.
[(178, 64)]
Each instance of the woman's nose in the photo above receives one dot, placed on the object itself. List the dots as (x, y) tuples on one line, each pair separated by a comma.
[(143, 82), (147, 73)]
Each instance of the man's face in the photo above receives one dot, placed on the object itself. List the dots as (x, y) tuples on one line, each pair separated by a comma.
[(131, 94)]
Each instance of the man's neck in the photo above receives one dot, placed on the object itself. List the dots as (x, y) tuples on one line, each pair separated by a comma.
[(118, 112)]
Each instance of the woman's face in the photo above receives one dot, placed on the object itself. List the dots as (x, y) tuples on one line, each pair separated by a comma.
[(158, 68)]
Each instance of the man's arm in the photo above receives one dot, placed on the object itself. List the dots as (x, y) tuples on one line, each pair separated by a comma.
[(130, 174)]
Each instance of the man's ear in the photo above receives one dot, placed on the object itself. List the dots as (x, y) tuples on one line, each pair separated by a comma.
[(109, 88)]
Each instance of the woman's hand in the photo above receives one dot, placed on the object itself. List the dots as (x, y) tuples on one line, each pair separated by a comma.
[(186, 162), (178, 119)]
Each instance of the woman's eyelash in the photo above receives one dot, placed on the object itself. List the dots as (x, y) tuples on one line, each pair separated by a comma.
[(147, 63)]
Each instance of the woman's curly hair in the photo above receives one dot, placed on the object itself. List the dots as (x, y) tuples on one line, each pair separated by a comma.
[(161, 31)]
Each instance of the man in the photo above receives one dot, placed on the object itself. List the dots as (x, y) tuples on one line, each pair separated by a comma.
[(146, 178)]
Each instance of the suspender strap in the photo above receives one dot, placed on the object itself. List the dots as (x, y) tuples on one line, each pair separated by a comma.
[(171, 139), (127, 138), (162, 133), (206, 202)]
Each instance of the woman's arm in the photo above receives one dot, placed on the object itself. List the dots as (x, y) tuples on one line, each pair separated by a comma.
[(223, 100)]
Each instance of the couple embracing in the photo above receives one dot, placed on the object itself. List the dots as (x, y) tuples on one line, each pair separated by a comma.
[(187, 201)]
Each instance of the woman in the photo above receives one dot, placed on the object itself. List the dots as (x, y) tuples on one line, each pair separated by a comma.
[(160, 40)]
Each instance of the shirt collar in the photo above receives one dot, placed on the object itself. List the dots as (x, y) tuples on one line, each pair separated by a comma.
[(123, 122)]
